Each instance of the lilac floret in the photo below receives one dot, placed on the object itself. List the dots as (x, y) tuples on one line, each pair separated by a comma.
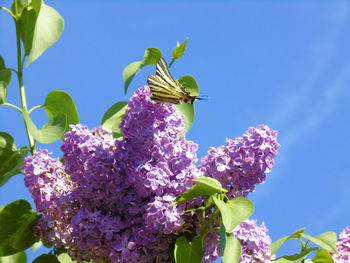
[(244, 161), (343, 247), (255, 242)]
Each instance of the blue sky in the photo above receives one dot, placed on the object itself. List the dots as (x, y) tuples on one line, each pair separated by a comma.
[(285, 64)]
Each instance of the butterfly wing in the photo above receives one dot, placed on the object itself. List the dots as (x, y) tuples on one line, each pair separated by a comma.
[(165, 89), (162, 92)]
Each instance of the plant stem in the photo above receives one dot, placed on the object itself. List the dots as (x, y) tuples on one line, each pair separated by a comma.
[(172, 61), (8, 11), (206, 225), (21, 87), (36, 107), (13, 70), (13, 106)]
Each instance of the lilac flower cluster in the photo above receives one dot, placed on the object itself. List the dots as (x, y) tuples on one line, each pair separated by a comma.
[(119, 205), (49, 186), (244, 161), (343, 247), (255, 242), (111, 197)]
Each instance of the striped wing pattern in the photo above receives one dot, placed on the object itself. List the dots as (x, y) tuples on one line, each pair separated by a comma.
[(165, 89)]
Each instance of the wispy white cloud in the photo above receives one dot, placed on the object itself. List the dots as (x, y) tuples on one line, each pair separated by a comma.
[(302, 111), (321, 90)]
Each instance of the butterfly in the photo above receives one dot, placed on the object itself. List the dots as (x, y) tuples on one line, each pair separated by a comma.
[(166, 89)]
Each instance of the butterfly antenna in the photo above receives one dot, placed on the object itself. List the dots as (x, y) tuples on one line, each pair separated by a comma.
[(203, 97)]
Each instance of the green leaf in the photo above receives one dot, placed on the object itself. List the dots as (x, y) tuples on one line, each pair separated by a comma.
[(187, 110), (322, 256), (190, 84), (7, 142), (278, 243), (46, 259), (12, 165), (204, 188), (50, 132), (114, 116), (20, 5), (230, 247), (58, 101), (40, 26), (36, 245), (182, 250), (5, 78), (19, 257), (150, 57), (16, 227), (327, 240), (234, 212), (27, 22), (179, 50), (210, 181), (296, 258), (11, 159), (189, 252), (65, 258)]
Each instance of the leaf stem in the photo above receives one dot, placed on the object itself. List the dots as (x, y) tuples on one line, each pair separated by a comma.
[(13, 106), (34, 108), (12, 70), (21, 87), (172, 61), (205, 226), (8, 11), (22, 63)]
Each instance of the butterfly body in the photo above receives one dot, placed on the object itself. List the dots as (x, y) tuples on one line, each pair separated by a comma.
[(165, 89)]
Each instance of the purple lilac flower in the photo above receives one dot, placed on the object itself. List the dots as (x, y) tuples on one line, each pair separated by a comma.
[(49, 186), (122, 189), (343, 247), (110, 198), (255, 242), (244, 161)]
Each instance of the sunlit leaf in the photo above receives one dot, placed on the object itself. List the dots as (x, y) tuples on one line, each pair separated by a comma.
[(58, 101), (326, 240), (150, 57), (36, 245), (179, 50), (41, 26), (323, 256), (50, 132), (296, 258), (230, 247), (20, 5), (212, 182), (278, 243), (234, 211), (205, 187), (65, 258), (114, 116), (190, 84)]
